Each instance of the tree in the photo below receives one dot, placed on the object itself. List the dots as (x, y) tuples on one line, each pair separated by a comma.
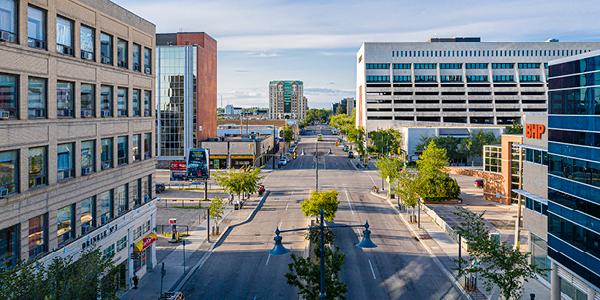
[(474, 144), (304, 274), (495, 261), (357, 136), (327, 200), (239, 182), (287, 133), (317, 115), (515, 128), (407, 189), (433, 182), (389, 168), (433, 160), (385, 141), (62, 278), (342, 122), (216, 208)]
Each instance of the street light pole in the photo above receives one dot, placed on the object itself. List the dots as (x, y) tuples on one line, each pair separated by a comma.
[(273, 146), (317, 167), (322, 290)]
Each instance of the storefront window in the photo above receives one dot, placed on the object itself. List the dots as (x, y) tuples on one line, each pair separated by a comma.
[(139, 260), (65, 161), (107, 153), (121, 199), (122, 150), (88, 100), (9, 172), (88, 212), (539, 253), (38, 175), (9, 246), (106, 207), (36, 98), (65, 221), (38, 235)]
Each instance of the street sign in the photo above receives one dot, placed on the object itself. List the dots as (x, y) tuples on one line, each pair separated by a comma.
[(173, 221), (197, 164)]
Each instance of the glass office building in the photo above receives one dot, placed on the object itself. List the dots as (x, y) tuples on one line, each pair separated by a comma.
[(574, 175), (176, 86)]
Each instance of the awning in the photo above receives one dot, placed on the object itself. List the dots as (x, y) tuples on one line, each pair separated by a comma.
[(530, 195), (242, 156), (217, 156), (144, 243)]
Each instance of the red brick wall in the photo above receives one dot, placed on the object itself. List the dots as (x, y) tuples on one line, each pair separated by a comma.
[(493, 184)]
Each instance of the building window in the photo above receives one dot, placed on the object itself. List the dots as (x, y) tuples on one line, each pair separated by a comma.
[(64, 36), (10, 249), (377, 66), (65, 100), (88, 157), (477, 78), (109, 252), (136, 56), (529, 65), (9, 173), (65, 161), (9, 102), (136, 141), (122, 53), (107, 153), (38, 174), (136, 103), (147, 189), (87, 42), (122, 150), (88, 213), (425, 66), (147, 61), (106, 48), (476, 66), (121, 243), (88, 100), (121, 199), (137, 192), (378, 78), (147, 145), (106, 101), (503, 78), (36, 27), (65, 223), (105, 201), (122, 102), (36, 98), (8, 27), (147, 111), (38, 235)]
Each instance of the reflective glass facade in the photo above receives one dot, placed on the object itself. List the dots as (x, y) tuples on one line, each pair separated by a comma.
[(176, 85), (574, 167)]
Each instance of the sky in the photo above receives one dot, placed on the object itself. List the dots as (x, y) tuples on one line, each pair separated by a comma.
[(316, 40)]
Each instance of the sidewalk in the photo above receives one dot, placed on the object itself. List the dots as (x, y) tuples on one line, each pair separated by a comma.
[(195, 249)]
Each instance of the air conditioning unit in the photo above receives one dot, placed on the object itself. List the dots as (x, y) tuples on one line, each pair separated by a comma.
[(87, 55), (39, 44), (86, 171), (3, 192), (4, 115), (5, 36), (106, 60), (105, 114), (147, 70), (86, 113), (64, 113)]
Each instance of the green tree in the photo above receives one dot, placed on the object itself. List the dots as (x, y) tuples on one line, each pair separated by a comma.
[(385, 141), (317, 116), (474, 144), (433, 160), (389, 168), (433, 182), (407, 189), (357, 137), (327, 200), (342, 122), (287, 133), (514, 128), (216, 208), (304, 273), (495, 261), (239, 182)]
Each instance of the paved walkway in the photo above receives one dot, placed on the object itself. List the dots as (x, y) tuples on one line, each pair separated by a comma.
[(195, 248)]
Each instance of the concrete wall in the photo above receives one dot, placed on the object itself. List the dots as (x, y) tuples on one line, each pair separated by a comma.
[(535, 179)]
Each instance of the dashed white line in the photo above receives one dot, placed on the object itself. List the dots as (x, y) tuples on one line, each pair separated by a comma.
[(372, 179), (286, 205), (372, 271), (348, 199), (268, 258)]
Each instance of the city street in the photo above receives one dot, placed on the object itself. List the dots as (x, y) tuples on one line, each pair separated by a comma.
[(399, 268)]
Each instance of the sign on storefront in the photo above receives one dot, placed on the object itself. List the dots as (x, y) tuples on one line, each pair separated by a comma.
[(534, 131)]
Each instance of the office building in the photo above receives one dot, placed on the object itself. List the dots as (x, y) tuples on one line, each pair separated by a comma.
[(574, 176), (454, 82), (240, 150), (187, 92), (350, 104), (231, 110), (76, 133), (345, 106), (286, 100)]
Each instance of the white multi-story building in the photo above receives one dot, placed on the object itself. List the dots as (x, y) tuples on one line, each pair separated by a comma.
[(286, 100), (459, 82)]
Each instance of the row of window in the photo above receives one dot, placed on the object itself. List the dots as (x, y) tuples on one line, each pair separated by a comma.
[(477, 78), (451, 78), (459, 53), (574, 81), (37, 99), (450, 66), (536, 156), (378, 78), (584, 138), (537, 206), (65, 157), (455, 66), (578, 170), (425, 78), (529, 78), (114, 202), (457, 78), (399, 78), (401, 66), (476, 66), (378, 66), (574, 67), (502, 66), (425, 66), (579, 204), (65, 36), (529, 65), (503, 78), (581, 238), (580, 101)]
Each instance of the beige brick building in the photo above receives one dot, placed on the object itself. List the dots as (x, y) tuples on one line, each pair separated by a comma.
[(76, 132)]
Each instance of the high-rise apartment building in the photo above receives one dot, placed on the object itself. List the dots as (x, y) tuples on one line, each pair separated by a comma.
[(187, 92), (574, 176), (286, 100), (454, 82), (76, 133)]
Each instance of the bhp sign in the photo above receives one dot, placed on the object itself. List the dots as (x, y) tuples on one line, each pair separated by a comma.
[(534, 131)]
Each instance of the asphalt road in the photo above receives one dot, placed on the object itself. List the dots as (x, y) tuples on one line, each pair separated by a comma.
[(399, 268)]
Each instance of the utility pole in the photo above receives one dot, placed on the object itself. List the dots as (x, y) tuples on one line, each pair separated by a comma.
[(273, 146), (208, 224), (317, 167)]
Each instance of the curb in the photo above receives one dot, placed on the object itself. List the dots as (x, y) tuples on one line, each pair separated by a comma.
[(182, 280), (433, 256)]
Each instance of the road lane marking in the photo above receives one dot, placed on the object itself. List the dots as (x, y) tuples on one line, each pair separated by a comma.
[(372, 271), (375, 184), (348, 199), (268, 258), (286, 205)]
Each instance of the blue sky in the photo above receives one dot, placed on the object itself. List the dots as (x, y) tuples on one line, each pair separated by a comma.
[(316, 41)]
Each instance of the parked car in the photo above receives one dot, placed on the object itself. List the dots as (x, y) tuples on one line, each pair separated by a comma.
[(319, 137), (478, 183), (282, 162), (159, 188), (350, 154), (345, 148)]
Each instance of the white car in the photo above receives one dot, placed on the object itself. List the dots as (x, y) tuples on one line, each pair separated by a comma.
[(282, 161)]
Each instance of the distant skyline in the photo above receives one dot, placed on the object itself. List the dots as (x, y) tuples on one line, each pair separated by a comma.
[(316, 41)]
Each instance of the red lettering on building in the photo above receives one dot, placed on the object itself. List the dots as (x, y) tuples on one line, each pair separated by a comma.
[(534, 131)]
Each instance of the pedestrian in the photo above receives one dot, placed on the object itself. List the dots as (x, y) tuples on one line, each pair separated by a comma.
[(135, 280)]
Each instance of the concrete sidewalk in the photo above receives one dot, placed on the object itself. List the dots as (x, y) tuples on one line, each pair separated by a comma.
[(196, 247)]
